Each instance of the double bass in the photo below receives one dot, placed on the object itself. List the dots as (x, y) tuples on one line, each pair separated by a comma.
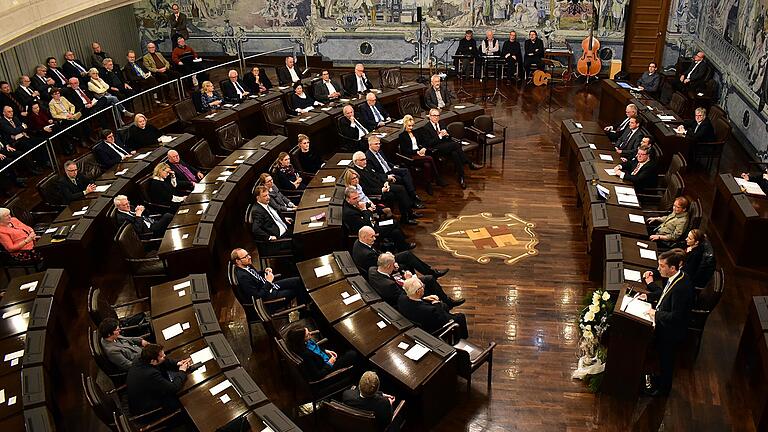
[(589, 64)]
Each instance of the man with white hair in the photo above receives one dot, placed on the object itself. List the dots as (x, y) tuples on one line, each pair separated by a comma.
[(387, 278), (351, 128), (186, 175), (374, 183), (428, 312), (145, 226), (287, 75), (357, 83), (365, 254), (372, 113), (233, 88)]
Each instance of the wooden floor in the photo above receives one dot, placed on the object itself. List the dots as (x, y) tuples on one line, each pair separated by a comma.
[(530, 309)]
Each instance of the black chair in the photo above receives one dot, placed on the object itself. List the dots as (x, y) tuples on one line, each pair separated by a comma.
[(88, 166), (203, 157), (677, 165), (153, 206), (275, 116), (107, 367), (268, 249), (46, 187), (390, 78), (679, 104), (38, 220), (471, 357), (185, 111), (709, 153), (99, 308), (229, 136), (660, 203), (8, 262), (344, 418), (464, 135), (706, 302), (410, 104), (143, 265), (490, 133), (123, 423)]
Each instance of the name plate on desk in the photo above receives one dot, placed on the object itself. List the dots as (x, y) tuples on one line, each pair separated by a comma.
[(250, 392), (33, 389), (198, 288)]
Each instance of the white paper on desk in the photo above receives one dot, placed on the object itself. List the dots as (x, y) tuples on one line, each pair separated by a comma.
[(578, 125), (403, 86), (29, 286), (166, 139), (381, 324), (50, 230), (490, 135), (399, 121), (202, 356), (182, 293), (636, 307), (464, 143), (628, 200), (344, 162), (386, 222), (239, 161), (351, 299), (642, 245), (227, 105), (315, 224), (218, 388), (185, 236), (183, 211), (225, 398), (229, 173), (416, 352), (142, 155), (403, 346), (303, 119), (197, 60), (78, 213), (172, 331), (606, 157), (323, 270), (326, 108), (344, 294), (610, 171), (12, 400), (14, 362), (750, 187), (604, 190), (185, 326), (699, 94), (103, 188), (121, 172), (329, 179), (647, 254), (632, 275), (221, 178), (182, 285), (199, 212), (12, 312), (666, 118), (324, 199), (636, 218), (199, 188), (210, 116), (344, 100), (13, 355), (623, 190), (2, 396), (592, 146), (459, 106)]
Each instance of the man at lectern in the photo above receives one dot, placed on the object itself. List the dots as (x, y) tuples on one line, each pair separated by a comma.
[(671, 307)]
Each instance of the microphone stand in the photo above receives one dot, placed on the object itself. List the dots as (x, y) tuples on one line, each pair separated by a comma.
[(445, 56)]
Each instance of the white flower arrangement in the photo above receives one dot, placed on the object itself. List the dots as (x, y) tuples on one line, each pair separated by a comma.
[(593, 322)]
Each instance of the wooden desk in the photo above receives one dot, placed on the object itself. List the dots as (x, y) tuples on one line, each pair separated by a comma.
[(613, 102), (184, 317), (166, 297), (74, 211), (314, 125), (322, 197), (327, 177), (337, 161), (187, 247), (207, 193), (14, 320), (205, 370), (50, 283), (370, 328), (219, 173), (206, 124), (741, 222), (330, 300), (11, 386), (269, 416), (628, 251), (188, 214), (466, 112), (11, 354), (607, 219), (341, 265), (237, 157), (247, 115), (319, 240)]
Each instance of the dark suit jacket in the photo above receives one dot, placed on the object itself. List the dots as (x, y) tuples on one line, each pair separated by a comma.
[(250, 82), (366, 115), (41, 86), (74, 98), (354, 218), (350, 84), (162, 192), (71, 71), (364, 256), (263, 225), (55, 77), (629, 145), (699, 264), (406, 146), (179, 26), (66, 191), (512, 48), (430, 98), (8, 130), (705, 132), (467, 47), (250, 286), (645, 178), (698, 74), (534, 51), (105, 156), (181, 181), (427, 136), (347, 131), (377, 404), (130, 75), (284, 75), (321, 90), (25, 98), (139, 226), (426, 315), (17, 104), (375, 166), (114, 78), (370, 180), (386, 286), (672, 313), (230, 93), (149, 388)]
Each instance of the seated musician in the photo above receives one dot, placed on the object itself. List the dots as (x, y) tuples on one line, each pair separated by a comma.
[(262, 284), (434, 137), (356, 215), (365, 254), (387, 279), (489, 47), (641, 170), (268, 224), (154, 380), (301, 101), (761, 178), (317, 362), (428, 312), (286, 176), (650, 80), (162, 187), (615, 131), (412, 147), (534, 52), (367, 397), (352, 179), (699, 130), (670, 228), (467, 47), (438, 95), (145, 226), (120, 350), (277, 200), (629, 141), (18, 239), (351, 128), (700, 259), (512, 54), (309, 160)]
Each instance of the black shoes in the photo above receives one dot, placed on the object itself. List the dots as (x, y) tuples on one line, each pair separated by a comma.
[(439, 273), (475, 166), (454, 303), (429, 189), (462, 183)]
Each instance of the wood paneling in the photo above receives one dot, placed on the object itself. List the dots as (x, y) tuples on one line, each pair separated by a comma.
[(644, 38)]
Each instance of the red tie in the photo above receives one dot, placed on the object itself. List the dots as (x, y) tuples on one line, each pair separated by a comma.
[(637, 168), (84, 96)]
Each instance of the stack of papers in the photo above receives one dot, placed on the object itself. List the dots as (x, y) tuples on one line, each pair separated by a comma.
[(610, 171), (632, 275), (202, 356), (199, 188), (636, 218), (749, 187), (31, 286), (606, 157), (103, 188), (329, 179), (647, 254), (626, 196), (636, 307), (142, 155), (666, 118), (165, 139)]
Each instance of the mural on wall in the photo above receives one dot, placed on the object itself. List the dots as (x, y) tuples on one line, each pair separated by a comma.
[(310, 20)]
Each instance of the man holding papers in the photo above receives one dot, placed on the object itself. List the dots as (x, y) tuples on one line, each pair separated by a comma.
[(256, 284), (672, 305), (641, 171), (153, 381), (760, 178), (672, 226), (428, 312)]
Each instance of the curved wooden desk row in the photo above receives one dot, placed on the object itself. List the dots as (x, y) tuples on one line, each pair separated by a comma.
[(381, 334), (220, 390), (32, 314)]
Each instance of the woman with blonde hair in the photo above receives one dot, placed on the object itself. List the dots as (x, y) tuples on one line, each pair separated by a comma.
[(410, 146), (162, 187), (352, 179), (100, 89), (209, 97), (142, 134)]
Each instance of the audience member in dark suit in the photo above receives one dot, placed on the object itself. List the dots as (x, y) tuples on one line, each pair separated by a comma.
[(145, 226), (154, 380), (438, 95), (286, 177), (761, 178), (263, 285), (372, 113), (650, 80), (177, 21), (288, 74), (512, 54), (354, 216), (327, 90), (699, 130), (378, 163), (534, 52), (630, 139), (374, 183), (700, 259), (42, 83), (257, 81), (186, 175), (14, 133), (114, 78), (365, 254), (73, 67), (467, 47), (268, 224), (25, 93), (85, 103), (317, 362), (233, 88), (615, 131), (671, 307), (367, 397), (428, 312), (110, 150), (357, 83), (693, 77), (136, 75), (97, 56), (72, 186), (641, 171), (435, 138), (351, 129), (301, 101), (141, 134), (55, 73), (387, 278), (9, 98), (162, 187), (279, 202), (411, 147), (309, 161)]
